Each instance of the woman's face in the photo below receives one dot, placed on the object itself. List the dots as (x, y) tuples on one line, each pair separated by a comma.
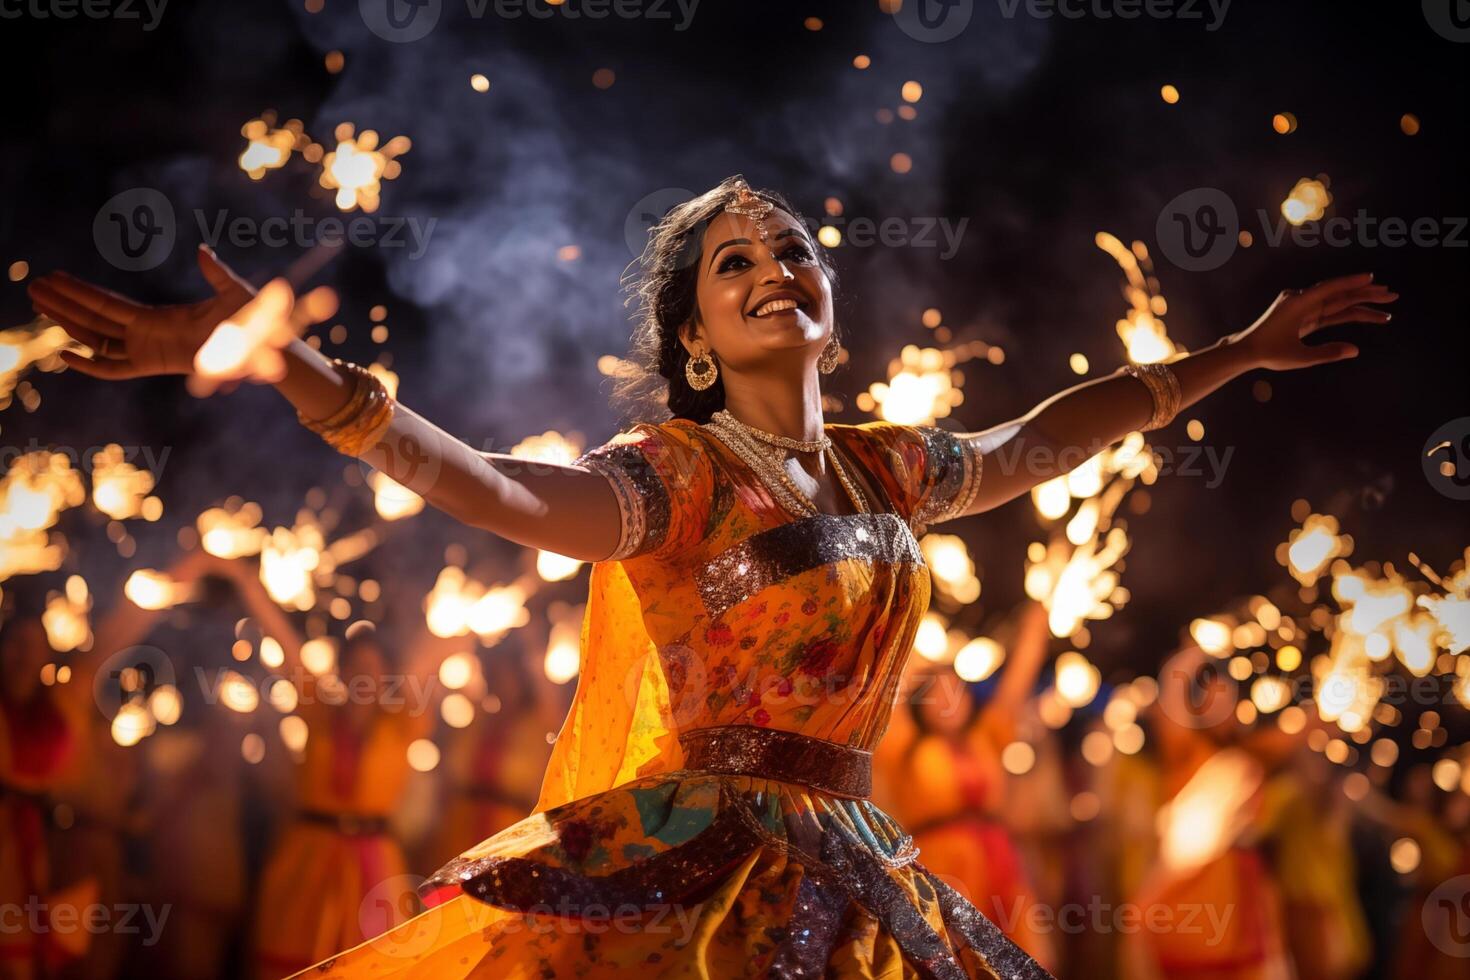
[(759, 302)]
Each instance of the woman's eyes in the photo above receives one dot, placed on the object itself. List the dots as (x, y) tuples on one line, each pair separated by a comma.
[(793, 253)]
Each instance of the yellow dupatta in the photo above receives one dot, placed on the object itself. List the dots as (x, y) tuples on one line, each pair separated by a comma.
[(620, 725)]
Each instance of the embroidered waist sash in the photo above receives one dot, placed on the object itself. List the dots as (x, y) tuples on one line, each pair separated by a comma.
[(790, 757)]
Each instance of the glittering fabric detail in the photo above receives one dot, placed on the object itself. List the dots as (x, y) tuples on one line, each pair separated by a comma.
[(821, 905), (954, 465), (1003, 956), (771, 556), (643, 501), (861, 867), (744, 750), (676, 875), (842, 864)]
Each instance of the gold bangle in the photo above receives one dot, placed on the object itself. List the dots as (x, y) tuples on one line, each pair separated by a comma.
[(1163, 388), (359, 424)]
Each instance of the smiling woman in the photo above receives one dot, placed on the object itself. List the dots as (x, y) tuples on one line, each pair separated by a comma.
[(756, 593)]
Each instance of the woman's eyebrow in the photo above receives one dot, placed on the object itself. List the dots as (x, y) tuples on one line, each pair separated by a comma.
[(724, 245), (788, 233)]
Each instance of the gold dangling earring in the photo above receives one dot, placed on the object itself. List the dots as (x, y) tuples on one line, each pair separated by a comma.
[(702, 377), (827, 363)]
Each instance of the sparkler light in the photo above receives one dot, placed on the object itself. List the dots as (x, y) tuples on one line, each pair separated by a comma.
[(1144, 335), (149, 589), (35, 344), (34, 491), (978, 659), (248, 345), (1307, 201), (119, 489), (270, 148), (1309, 549), (923, 385), (563, 652), (1209, 812), (357, 168), (232, 530), (950, 565), (65, 616), (458, 605)]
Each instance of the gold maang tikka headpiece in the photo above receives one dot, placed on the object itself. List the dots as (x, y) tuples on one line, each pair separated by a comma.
[(747, 203)]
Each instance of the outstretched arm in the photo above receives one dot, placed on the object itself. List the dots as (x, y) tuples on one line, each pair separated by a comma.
[(566, 509), (1068, 428)]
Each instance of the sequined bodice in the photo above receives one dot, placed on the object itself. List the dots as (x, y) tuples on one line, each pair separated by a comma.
[(800, 624)]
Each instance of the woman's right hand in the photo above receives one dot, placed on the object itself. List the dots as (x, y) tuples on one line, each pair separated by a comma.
[(130, 339)]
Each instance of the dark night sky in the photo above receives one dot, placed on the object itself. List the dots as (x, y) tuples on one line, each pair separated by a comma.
[(1039, 132)]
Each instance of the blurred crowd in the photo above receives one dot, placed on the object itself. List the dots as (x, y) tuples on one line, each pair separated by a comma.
[(259, 816)]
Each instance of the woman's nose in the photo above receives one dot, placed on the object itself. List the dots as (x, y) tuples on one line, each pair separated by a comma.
[(774, 270)]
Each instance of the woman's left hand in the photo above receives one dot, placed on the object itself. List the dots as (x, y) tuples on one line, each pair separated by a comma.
[(1275, 340)]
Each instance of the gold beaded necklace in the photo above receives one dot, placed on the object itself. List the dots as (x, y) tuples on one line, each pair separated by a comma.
[(770, 467)]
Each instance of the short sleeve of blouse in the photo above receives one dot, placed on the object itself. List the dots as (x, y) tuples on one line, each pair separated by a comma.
[(662, 478), (933, 474)]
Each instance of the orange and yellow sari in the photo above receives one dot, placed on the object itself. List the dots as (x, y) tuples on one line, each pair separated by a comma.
[(706, 809)]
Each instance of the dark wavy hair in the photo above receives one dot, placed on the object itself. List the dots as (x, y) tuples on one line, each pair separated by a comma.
[(664, 291)]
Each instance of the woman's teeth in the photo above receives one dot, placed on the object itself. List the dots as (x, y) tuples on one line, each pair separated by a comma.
[(776, 306)]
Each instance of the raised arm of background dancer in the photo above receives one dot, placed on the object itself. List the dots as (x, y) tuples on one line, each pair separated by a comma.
[(1018, 675), (273, 621), (565, 509), (1068, 428), (126, 623)]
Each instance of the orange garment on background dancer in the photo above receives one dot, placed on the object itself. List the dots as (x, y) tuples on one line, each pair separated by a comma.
[(44, 730), (337, 872), (706, 809), (942, 779), (1211, 894), (494, 766)]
